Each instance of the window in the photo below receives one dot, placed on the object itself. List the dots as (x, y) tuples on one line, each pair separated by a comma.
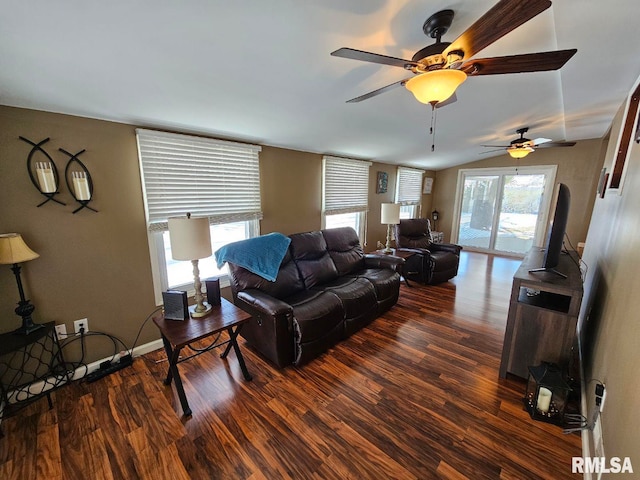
[(345, 194), (409, 191), (205, 177)]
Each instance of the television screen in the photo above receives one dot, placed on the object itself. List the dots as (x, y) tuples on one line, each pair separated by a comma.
[(558, 226)]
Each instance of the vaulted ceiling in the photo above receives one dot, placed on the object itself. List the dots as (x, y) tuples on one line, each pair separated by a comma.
[(261, 71)]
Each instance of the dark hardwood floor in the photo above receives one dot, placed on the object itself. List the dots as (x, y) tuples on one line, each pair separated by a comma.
[(414, 395)]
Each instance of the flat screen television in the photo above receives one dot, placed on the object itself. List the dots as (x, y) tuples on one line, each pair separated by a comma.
[(558, 226)]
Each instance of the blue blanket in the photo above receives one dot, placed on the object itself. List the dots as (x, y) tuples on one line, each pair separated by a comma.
[(261, 255)]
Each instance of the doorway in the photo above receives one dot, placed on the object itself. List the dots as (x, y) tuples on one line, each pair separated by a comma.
[(503, 210)]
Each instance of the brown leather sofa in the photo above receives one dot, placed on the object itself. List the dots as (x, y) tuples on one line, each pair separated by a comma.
[(432, 263), (326, 289)]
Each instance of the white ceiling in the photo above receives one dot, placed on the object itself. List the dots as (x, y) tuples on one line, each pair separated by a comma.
[(260, 71)]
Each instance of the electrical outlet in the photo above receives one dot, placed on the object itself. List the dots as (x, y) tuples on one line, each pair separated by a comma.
[(82, 323), (604, 397), (601, 396), (61, 331)]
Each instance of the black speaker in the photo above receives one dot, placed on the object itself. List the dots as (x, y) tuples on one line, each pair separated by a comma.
[(213, 291), (175, 305)]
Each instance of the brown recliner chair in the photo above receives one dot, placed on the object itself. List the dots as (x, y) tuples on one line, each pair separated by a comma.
[(432, 263)]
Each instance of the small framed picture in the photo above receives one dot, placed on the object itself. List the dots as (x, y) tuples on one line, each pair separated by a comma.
[(428, 185), (382, 183)]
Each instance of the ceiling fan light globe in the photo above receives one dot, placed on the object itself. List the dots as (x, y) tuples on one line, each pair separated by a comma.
[(519, 152), (435, 86)]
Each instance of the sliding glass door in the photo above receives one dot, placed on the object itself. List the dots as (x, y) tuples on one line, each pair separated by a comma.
[(503, 210)]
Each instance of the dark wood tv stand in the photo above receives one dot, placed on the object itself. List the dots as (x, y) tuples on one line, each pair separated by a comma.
[(543, 314)]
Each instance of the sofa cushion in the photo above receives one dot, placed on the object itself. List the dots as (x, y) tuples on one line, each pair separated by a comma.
[(386, 283), (358, 298), (318, 323), (309, 251), (287, 282), (344, 248)]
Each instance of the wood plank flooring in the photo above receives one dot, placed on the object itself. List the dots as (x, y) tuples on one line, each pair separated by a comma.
[(415, 395)]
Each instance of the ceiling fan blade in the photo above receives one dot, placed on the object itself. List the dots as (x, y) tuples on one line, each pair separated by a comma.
[(492, 151), (496, 146), (354, 54), (377, 92), (529, 62), (555, 144), (540, 141), (503, 17)]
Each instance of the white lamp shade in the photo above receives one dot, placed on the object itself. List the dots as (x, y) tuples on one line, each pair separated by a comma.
[(14, 250), (190, 238), (390, 213), (435, 86)]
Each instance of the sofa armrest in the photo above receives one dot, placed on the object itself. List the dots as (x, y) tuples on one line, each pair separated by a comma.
[(445, 247), (263, 304), (374, 260), (418, 251), (270, 330)]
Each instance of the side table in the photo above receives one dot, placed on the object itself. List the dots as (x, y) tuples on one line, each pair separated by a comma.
[(177, 334), (401, 254), (31, 367)]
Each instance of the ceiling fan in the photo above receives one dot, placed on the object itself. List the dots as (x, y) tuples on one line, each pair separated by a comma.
[(521, 147), (439, 69)]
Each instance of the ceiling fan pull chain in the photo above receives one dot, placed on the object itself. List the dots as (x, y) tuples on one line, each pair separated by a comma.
[(432, 130)]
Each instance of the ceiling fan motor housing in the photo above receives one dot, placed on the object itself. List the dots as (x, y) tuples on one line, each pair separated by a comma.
[(522, 141), (435, 27)]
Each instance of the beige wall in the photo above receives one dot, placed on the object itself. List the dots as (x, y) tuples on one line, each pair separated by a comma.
[(609, 316), (291, 189), (578, 167)]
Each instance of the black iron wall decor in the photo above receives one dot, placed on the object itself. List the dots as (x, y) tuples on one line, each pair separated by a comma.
[(78, 180), (43, 175)]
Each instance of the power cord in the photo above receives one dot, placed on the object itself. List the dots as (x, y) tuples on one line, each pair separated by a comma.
[(149, 317), (578, 422), (580, 263), (107, 366)]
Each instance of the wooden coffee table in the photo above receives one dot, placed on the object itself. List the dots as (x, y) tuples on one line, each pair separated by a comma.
[(177, 334)]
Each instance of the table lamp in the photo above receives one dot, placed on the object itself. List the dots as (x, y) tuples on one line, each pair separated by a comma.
[(190, 239), (389, 215), (14, 251)]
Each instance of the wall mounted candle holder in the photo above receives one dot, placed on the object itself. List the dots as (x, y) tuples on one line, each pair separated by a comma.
[(43, 175), (78, 180)]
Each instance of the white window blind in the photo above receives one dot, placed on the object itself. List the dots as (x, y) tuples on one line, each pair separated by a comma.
[(409, 186), (202, 176), (345, 186)]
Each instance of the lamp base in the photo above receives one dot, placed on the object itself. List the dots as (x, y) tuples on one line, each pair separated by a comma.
[(387, 251), (202, 313), (27, 328), (25, 309)]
